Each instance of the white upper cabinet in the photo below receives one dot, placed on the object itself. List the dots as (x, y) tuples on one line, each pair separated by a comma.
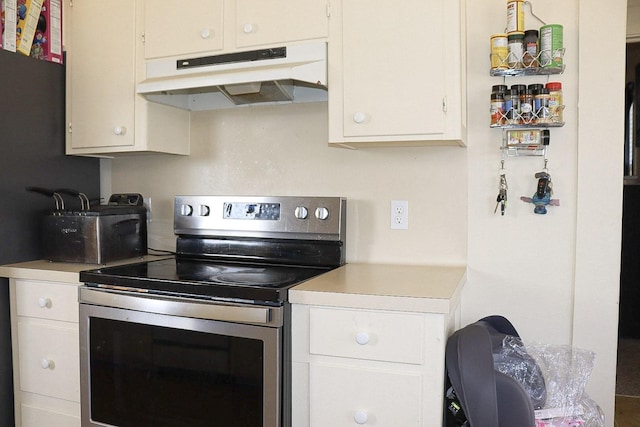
[(102, 112), (267, 22), (396, 73), (175, 27), (105, 116)]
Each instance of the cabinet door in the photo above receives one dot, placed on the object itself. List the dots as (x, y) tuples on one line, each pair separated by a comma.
[(344, 397), (393, 69), (33, 416), (279, 21), (49, 358), (175, 27), (101, 74), (47, 300)]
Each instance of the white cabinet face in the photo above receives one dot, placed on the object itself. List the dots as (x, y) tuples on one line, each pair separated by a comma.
[(393, 70), (102, 70), (279, 21), (174, 27)]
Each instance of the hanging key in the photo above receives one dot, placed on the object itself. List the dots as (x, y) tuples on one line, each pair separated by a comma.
[(501, 200)]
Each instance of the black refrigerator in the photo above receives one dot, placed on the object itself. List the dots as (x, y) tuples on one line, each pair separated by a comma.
[(32, 133)]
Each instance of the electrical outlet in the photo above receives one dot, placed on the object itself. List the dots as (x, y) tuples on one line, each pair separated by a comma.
[(399, 214)]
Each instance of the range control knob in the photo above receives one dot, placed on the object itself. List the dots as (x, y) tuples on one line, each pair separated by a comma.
[(322, 213), (301, 212), (186, 210), (204, 210)]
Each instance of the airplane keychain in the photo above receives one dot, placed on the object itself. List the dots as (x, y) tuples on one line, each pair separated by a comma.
[(542, 197)]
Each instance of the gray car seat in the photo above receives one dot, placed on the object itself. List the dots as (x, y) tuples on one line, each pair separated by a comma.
[(478, 394)]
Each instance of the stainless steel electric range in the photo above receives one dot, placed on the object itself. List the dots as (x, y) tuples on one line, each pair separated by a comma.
[(203, 339)]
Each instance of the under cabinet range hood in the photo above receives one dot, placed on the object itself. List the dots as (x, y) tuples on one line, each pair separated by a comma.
[(292, 73)]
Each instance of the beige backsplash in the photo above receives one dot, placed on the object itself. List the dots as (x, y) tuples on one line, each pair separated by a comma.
[(283, 150)]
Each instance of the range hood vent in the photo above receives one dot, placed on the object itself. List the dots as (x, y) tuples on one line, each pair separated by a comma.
[(296, 73)]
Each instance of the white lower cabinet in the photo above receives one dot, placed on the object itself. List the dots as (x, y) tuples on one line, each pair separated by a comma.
[(367, 367), (44, 329), (349, 396)]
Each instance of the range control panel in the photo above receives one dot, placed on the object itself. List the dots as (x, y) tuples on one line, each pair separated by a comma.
[(318, 218)]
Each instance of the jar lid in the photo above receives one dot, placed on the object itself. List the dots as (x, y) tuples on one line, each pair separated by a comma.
[(498, 88), (531, 33), (515, 35), (554, 86)]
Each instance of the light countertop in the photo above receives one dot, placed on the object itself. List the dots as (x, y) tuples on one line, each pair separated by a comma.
[(59, 271), (425, 289)]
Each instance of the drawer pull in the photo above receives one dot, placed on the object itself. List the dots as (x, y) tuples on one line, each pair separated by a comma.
[(47, 364), (360, 417), (44, 302), (362, 338), (359, 117)]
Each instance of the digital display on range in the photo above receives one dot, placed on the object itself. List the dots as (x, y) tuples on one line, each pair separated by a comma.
[(250, 210)]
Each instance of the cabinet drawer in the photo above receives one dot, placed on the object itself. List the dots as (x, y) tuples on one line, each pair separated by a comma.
[(360, 334), (47, 300), (49, 359), (33, 416), (349, 397)]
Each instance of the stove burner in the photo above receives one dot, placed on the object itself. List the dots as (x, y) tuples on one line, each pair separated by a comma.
[(256, 278)]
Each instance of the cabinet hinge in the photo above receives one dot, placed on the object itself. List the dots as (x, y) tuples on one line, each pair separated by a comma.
[(143, 38), (70, 3), (328, 9), (444, 104), (70, 128)]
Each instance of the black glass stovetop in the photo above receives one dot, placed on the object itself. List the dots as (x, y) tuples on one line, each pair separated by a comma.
[(203, 279)]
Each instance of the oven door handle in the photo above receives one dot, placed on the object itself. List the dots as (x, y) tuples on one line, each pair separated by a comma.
[(181, 307)]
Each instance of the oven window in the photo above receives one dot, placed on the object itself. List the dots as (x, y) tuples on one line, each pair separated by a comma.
[(145, 375)]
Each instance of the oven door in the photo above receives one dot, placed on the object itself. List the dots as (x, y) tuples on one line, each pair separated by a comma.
[(148, 369)]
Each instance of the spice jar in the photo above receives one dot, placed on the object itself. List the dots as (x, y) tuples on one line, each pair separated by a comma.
[(515, 16), (512, 106), (541, 106), (555, 102), (497, 109), (526, 107), (530, 57), (499, 51), (516, 50)]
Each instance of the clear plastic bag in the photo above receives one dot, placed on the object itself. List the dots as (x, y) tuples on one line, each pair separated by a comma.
[(566, 371)]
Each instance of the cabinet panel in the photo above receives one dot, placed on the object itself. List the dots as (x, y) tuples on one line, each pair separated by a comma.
[(346, 397), (173, 27), (279, 21), (393, 67), (393, 337), (49, 358), (102, 112), (47, 300), (37, 417)]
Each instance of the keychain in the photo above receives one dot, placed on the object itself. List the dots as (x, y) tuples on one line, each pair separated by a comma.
[(542, 196), (501, 200)]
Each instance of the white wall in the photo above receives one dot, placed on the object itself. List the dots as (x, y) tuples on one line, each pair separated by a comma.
[(554, 276)]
